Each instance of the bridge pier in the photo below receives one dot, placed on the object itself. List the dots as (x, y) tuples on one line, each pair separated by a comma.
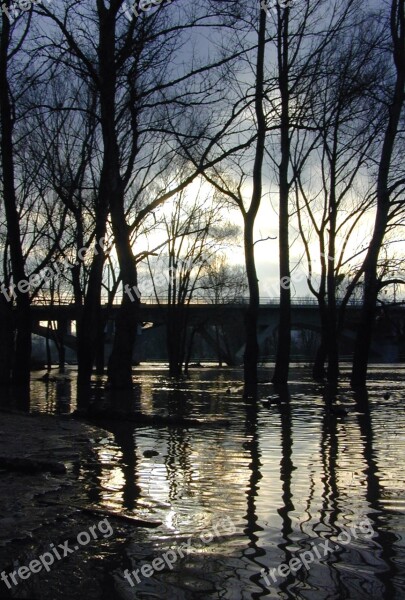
[(219, 345)]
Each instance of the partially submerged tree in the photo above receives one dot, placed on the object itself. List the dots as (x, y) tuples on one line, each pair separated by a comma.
[(128, 69), (304, 31), (387, 186), (224, 284), (244, 160), (22, 354), (194, 238), (332, 162)]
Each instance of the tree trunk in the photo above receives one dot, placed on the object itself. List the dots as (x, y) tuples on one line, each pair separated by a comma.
[(113, 188), (22, 354), (368, 310), (189, 351), (48, 347), (367, 319), (100, 356), (318, 370), (120, 362), (89, 321), (332, 344), (6, 340), (284, 329), (126, 323), (176, 323), (251, 356)]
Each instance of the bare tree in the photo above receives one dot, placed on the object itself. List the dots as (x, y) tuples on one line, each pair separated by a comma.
[(224, 283), (246, 105), (387, 184), (193, 239), (332, 163), (129, 71), (9, 48), (304, 30)]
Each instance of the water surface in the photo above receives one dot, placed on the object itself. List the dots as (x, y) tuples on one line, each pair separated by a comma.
[(283, 476)]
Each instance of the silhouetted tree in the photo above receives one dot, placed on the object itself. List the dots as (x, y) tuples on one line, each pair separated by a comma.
[(386, 185), (21, 356), (304, 31), (193, 239), (332, 165)]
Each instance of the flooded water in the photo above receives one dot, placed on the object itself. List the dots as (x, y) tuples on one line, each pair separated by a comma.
[(289, 479)]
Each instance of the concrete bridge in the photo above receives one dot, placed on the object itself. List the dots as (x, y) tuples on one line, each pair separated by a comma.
[(209, 318)]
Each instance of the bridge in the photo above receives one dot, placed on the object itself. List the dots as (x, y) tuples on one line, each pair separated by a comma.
[(221, 325)]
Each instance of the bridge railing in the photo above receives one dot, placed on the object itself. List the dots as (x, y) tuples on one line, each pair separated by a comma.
[(306, 300), (241, 300)]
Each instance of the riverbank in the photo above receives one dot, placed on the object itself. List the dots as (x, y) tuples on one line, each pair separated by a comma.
[(41, 459)]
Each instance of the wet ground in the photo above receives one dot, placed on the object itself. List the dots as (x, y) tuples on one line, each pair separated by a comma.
[(290, 479)]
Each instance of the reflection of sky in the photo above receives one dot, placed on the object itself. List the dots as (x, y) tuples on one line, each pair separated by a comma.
[(196, 468), (340, 470)]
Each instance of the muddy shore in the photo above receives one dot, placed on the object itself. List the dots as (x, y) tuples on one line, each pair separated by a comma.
[(41, 487)]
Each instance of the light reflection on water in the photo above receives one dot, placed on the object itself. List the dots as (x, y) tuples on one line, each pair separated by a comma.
[(286, 474)]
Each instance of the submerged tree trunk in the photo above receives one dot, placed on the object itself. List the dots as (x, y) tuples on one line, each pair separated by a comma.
[(22, 354), (176, 325), (318, 370), (126, 323), (48, 347), (120, 362), (89, 320), (332, 343), (6, 340), (367, 319), (368, 311), (100, 355), (251, 357), (189, 352), (112, 187), (284, 329)]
